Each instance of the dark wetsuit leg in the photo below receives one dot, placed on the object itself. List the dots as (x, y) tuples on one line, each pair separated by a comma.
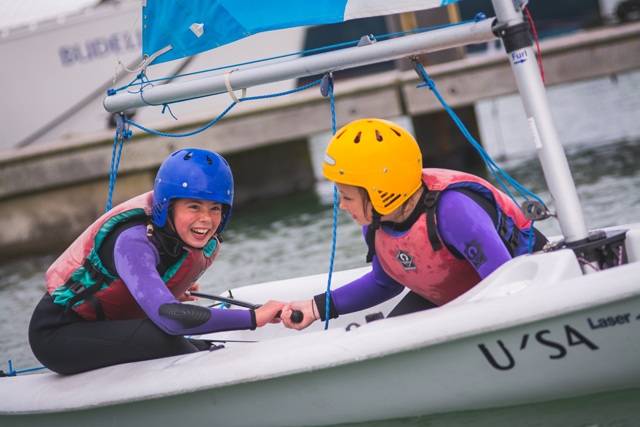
[(412, 302), (68, 344)]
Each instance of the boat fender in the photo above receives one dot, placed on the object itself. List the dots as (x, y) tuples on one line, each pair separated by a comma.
[(189, 316)]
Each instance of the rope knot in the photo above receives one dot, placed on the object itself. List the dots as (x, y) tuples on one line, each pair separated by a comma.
[(164, 107), (111, 92), (429, 83)]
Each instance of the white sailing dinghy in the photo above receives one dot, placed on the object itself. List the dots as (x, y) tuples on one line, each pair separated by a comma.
[(543, 326)]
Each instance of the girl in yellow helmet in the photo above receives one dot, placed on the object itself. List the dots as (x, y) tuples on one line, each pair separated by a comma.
[(436, 231)]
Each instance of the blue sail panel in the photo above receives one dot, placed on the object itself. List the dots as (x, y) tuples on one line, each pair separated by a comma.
[(194, 26)]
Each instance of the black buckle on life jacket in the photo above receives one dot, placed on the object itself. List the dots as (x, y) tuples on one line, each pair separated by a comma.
[(76, 287), (95, 274), (513, 241), (503, 229), (431, 199), (370, 238), (431, 202), (87, 293)]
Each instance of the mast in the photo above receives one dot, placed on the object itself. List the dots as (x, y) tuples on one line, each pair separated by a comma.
[(514, 32)]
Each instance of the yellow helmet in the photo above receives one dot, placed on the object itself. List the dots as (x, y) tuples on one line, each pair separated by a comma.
[(379, 156)]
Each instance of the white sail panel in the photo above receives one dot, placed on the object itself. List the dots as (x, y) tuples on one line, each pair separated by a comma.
[(365, 8)]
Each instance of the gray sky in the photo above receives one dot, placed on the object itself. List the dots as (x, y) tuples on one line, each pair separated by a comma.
[(19, 13)]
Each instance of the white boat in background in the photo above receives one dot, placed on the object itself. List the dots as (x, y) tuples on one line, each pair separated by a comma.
[(541, 327)]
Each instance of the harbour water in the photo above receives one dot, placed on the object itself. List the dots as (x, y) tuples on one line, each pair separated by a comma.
[(293, 238)]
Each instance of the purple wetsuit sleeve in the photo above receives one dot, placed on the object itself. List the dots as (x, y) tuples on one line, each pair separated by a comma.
[(463, 224), (371, 289), (136, 260)]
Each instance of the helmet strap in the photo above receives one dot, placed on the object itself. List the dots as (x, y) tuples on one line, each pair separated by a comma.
[(371, 235), (169, 239)]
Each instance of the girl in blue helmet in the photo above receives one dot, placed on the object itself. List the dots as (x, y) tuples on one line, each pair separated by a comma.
[(116, 294)]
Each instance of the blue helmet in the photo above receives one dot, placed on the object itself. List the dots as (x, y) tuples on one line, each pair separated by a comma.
[(194, 174)]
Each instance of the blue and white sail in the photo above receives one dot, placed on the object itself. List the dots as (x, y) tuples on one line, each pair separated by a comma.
[(195, 26)]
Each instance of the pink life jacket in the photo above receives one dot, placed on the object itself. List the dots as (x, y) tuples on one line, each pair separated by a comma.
[(435, 273), (78, 278)]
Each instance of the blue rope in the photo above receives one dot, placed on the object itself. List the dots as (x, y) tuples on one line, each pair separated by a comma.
[(531, 237), (223, 113), (12, 372), (495, 169), (335, 217), (127, 134), (316, 50), (142, 76), (114, 170), (179, 135)]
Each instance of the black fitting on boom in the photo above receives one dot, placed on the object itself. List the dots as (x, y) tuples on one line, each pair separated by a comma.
[(514, 37)]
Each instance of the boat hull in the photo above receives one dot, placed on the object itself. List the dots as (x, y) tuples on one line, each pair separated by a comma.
[(535, 330)]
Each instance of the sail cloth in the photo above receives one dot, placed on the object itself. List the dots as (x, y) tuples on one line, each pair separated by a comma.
[(194, 26)]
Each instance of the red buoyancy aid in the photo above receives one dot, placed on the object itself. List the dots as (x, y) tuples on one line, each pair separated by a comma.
[(116, 300), (411, 260)]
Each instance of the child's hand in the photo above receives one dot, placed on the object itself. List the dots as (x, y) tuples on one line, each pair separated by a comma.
[(267, 313), (308, 309), (185, 297)]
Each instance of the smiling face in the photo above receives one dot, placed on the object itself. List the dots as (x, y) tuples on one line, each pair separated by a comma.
[(351, 201), (196, 220)]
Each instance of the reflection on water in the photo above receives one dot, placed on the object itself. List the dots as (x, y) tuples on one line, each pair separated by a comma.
[(21, 287), (294, 238)]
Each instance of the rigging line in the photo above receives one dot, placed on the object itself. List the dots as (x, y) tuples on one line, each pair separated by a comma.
[(221, 115), (119, 63), (530, 237), (488, 160), (114, 171), (335, 216), (316, 50), (172, 135), (13, 373), (246, 63), (535, 34), (490, 163)]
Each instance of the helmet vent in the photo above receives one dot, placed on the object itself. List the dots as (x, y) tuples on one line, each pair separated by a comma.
[(209, 160), (158, 208), (188, 156), (357, 140), (395, 131), (387, 198), (378, 136), (341, 133), (388, 202)]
